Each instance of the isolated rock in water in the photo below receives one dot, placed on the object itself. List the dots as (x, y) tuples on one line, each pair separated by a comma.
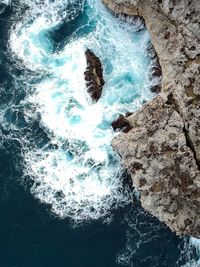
[(93, 75), (121, 124), (162, 150)]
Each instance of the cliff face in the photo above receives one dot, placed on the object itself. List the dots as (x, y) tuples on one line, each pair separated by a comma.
[(162, 150)]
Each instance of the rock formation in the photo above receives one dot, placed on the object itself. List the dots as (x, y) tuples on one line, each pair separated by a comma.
[(93, 75), (155, 70), (122, 124), (162, 150)]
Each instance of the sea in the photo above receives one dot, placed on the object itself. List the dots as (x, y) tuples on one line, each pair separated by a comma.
[(65, 198)]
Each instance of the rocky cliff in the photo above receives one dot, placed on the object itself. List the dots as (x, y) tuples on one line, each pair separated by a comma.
[(162, 149)]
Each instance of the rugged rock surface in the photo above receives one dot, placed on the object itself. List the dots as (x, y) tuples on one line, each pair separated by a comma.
[(94, 75), (155, 70), (162, 150)]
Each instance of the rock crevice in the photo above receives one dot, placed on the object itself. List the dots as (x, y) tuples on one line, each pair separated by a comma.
[(190, 145)]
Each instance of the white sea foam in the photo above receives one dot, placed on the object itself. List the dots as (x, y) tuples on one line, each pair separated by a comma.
[(194, 243), (5, 2), (81, 177)]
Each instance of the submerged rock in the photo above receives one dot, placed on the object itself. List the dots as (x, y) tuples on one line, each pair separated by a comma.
[(94, 75), (162, 150)]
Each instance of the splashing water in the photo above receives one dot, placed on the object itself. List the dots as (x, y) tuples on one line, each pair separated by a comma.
[(193, 243), (74, 168), (65, 138)]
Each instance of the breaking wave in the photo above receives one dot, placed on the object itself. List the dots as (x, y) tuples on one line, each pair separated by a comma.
[(66, 138), (74, 168)]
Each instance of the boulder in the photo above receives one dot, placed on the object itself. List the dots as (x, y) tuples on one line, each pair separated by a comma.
[(121, 124), (94, 75)]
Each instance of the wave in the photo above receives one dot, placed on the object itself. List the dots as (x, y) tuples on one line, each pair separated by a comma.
[(81, 177), (65, 138)]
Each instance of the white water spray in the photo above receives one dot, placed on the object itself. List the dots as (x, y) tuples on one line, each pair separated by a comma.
[(81, 178)]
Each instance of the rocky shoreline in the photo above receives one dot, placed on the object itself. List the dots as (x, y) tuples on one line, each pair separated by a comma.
[(161, 149)]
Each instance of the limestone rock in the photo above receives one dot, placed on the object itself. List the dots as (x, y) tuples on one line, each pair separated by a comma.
[(155, 70), (162, 150)]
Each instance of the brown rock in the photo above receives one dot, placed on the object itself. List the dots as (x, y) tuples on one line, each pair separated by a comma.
[(121, 124), (94, 75)]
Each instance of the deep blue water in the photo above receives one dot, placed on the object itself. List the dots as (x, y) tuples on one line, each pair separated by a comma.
[(95, 219)]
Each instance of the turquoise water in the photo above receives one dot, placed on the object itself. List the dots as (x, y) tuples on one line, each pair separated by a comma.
[(83, 169), (60, 177)]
